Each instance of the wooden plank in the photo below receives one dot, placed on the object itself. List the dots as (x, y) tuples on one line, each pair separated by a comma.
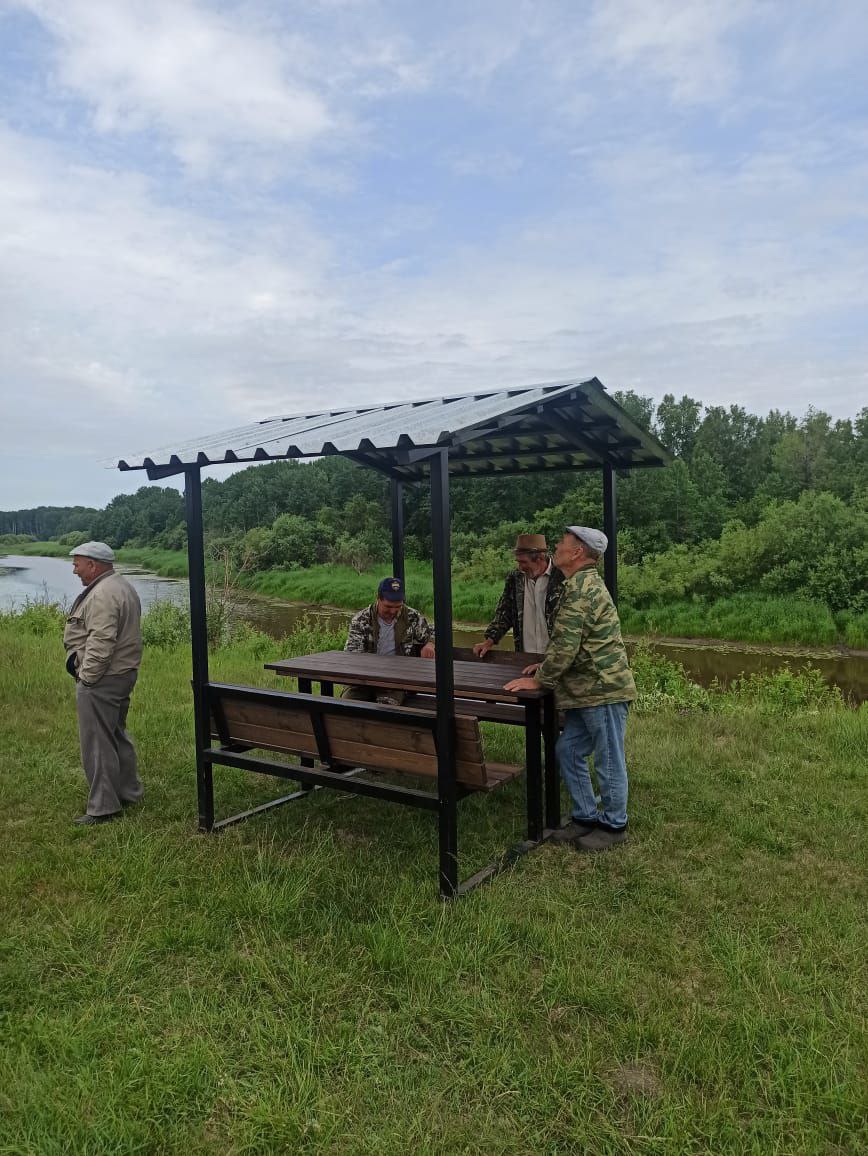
[(353, 754), (474, 679), (287, 728)]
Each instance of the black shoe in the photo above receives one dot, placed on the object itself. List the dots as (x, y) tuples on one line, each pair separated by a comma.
[(92, 820), (572, 830), (133, 802)]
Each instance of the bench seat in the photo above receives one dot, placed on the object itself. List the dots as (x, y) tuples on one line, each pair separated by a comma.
[(349, 734)]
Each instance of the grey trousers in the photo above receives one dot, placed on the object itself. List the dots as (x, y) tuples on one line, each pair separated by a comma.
[(107, 752)]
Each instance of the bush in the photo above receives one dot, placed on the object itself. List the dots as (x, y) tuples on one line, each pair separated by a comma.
[(165, 625), (37, 617), (783, 692), (663, 684)]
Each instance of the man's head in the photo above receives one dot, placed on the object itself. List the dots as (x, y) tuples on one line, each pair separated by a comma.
[(390, 598), (580, 546), (531, 554), (91, 559)]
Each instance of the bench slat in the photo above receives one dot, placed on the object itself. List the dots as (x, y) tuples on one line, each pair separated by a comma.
[(286, 727)]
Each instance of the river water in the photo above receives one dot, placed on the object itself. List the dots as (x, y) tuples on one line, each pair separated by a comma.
[(23, 578)]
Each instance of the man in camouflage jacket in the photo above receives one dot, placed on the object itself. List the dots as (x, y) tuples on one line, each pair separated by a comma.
[(586, 666), (388, 626), (533, 566)]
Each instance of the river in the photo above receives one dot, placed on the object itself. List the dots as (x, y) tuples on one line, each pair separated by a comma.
[(23, 578)]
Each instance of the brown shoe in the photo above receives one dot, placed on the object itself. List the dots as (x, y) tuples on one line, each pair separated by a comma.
[(600, 840), (571, 831)]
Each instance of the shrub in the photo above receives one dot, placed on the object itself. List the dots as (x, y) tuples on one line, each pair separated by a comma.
[(166, 624), (783, 692), (662, 683), (38, 617)]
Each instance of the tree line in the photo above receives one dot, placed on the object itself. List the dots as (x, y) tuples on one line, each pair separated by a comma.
[(775, 503)]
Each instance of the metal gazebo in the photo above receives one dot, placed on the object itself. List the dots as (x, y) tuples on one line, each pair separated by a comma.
[(570, 426)]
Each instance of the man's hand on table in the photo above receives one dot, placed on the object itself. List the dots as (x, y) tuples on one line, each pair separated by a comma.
[(532, 669), (427, 650), (518, 684), (482, 648)]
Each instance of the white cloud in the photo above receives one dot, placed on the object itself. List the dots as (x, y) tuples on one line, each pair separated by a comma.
[(684, 44), (196, 74)]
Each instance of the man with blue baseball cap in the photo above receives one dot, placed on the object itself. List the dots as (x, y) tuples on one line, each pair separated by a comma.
[(388, 626), (586, 666)]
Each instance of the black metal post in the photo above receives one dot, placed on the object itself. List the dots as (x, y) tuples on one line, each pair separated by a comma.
[(397, 492), (199, 642), (610, 529), (533, 763), (551, 776), (447, 791)]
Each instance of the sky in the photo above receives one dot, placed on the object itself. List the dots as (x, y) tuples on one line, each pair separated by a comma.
[(212, 213)]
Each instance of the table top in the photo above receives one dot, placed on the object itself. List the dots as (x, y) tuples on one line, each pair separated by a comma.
[(473, 679)]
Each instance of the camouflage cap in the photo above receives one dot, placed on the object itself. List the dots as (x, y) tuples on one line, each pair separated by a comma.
[(595, 539)]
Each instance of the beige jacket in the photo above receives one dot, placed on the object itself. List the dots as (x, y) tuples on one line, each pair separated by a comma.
[(103, 629)]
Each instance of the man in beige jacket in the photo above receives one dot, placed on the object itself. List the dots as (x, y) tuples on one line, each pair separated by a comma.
[(103, 640)]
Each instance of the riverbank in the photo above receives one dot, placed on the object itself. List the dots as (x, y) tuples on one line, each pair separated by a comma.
[(751, 618), (294, 983)]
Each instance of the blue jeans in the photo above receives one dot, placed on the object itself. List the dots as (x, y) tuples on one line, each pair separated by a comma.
[(598, 730)]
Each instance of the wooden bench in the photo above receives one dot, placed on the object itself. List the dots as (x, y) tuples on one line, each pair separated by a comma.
[(344, 734)]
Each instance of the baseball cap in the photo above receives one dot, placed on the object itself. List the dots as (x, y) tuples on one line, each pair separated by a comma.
[(391, 589)]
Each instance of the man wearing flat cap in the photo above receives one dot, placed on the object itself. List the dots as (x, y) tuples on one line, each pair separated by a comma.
[(388, 626), (529, 600), (103, 641), (586, 666)]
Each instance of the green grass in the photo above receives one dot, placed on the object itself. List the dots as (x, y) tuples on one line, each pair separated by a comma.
[(342, 586), (741, 617), (293, 985)]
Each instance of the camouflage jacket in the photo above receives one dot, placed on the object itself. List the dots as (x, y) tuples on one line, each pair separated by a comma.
[(586, 663), (412, 631), (509, 610)]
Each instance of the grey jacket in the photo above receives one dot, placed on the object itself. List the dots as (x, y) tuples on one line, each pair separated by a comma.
[(103, 629)]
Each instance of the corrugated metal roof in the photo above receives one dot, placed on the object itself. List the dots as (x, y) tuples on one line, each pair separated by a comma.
[(560, 425)]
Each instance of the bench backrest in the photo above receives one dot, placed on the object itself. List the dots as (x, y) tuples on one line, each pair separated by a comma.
[(342, 733)]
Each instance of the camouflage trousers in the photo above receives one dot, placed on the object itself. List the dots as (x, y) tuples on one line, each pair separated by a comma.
[(375, 694)]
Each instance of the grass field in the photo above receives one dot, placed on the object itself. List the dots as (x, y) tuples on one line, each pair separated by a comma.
[(294, 985)]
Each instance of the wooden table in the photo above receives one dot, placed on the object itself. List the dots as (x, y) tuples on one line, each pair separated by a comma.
[(478, 684)]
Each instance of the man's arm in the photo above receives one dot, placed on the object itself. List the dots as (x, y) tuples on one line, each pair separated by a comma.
[(566, 638), (356, 634), (102, 636), (422, 635), (504, 614)]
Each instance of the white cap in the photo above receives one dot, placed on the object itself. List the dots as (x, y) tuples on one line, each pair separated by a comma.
[(596, 539), (99, 551)]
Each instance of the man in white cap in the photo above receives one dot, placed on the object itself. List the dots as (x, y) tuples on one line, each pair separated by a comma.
[(103, 641), (586, 666)]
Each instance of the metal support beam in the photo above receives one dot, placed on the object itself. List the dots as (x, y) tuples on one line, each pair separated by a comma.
[(610, 529), (444, 734), (199, 643), (397, 494)]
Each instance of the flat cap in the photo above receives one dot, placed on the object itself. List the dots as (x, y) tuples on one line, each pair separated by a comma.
[(596, 539), (99, 551)]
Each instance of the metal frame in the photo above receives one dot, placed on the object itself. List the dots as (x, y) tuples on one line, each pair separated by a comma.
[(444, 803)]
